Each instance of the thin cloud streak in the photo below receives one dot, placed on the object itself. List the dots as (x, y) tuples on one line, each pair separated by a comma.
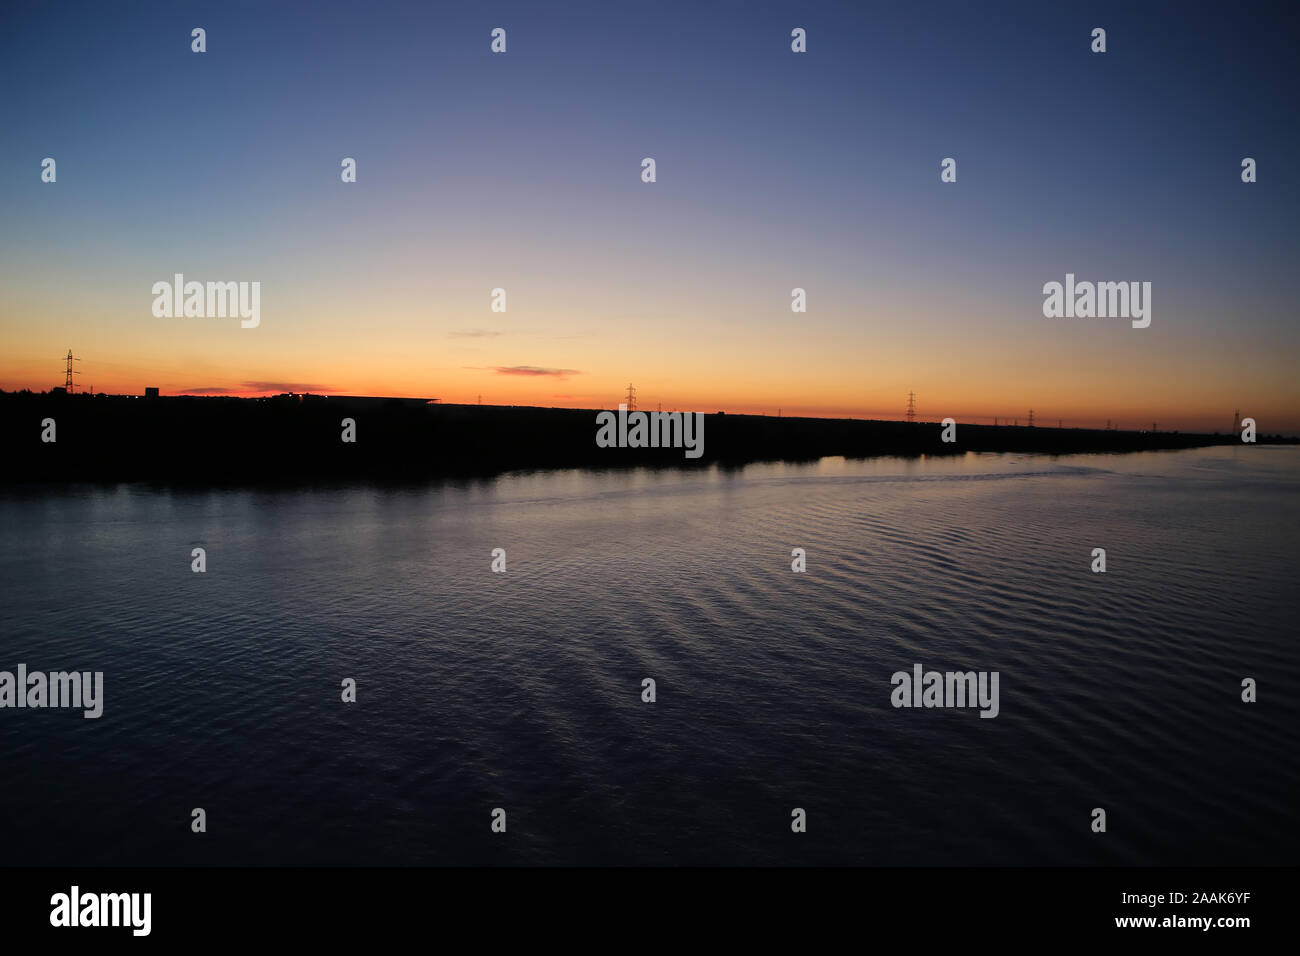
[(533, 370), (246, 387)]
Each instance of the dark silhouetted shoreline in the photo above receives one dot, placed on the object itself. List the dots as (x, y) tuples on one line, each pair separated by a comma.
[(298, 438)]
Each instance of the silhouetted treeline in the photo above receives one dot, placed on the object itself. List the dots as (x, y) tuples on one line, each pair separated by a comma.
[(292, 438)]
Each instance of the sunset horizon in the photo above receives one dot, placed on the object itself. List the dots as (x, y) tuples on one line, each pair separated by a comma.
[(1201, 419)]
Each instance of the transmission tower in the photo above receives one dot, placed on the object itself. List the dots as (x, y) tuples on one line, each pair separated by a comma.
[(67, 380), (911, 406), (1031, 418), (1236, 421), (631, 398)]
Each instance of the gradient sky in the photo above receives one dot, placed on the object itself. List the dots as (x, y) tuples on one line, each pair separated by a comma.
[(775, 170)]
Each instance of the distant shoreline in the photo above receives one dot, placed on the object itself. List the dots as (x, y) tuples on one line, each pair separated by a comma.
[(298, 439)]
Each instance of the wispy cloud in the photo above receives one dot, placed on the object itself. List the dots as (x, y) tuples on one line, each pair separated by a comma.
[(246, 387), (474, 334), (286, 387), (532, 370)]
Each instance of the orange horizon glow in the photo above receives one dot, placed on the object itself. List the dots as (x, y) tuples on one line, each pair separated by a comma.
[(581, 390), (701, 350)]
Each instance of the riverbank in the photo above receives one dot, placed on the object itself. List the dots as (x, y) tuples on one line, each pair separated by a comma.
[(301, 438)]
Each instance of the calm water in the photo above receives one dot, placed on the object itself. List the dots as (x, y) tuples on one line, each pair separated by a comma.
[(522, 690)]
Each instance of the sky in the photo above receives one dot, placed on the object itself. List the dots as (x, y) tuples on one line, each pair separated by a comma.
[(775, 170)]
